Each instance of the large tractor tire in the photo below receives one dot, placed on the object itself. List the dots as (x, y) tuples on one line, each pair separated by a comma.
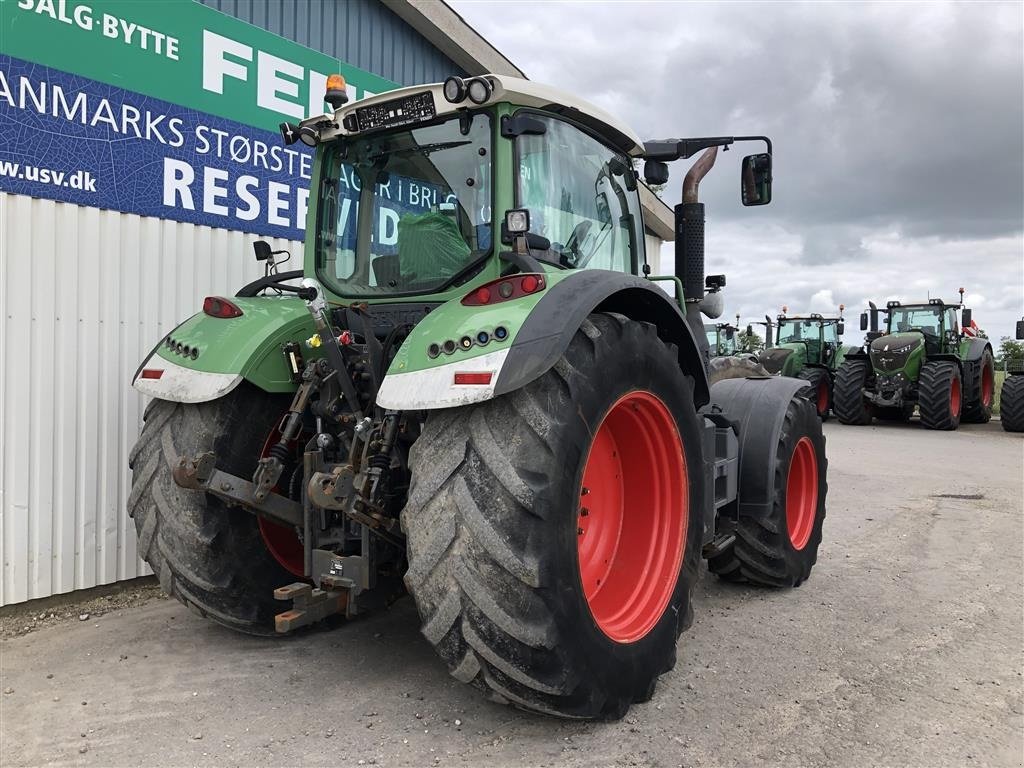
[(554, 533), (780, 549), (978, 410), (821, 386), (940, 395), (1011, 404), (212, 557), (848, 393)]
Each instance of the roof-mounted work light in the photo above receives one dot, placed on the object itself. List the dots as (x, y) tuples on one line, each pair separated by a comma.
[(292, 133), (336, 94), (479, 90), (454, 90)]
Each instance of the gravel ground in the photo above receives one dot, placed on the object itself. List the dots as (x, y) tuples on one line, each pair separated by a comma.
[(905, 647)]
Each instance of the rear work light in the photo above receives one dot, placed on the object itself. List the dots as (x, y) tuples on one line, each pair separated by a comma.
[(474, 378), (505, 289), (218, 306)]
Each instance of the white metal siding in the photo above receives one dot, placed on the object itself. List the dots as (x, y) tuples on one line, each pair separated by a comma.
[(84, 295)]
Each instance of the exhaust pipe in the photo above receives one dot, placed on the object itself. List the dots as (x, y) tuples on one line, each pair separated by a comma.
[(689, 221)]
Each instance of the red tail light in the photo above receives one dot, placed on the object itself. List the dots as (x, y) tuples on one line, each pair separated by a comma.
[(218, 306), (151, 373), (504, 289), (473, 378)]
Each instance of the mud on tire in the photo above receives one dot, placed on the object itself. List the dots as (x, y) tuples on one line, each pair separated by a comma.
[(492, 531), (209, 556)]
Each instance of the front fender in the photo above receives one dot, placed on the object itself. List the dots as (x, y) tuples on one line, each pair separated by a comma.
[(228, 351), (539, 329)]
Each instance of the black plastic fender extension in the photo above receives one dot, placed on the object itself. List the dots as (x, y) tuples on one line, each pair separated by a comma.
[(757, 406), (546, 334)]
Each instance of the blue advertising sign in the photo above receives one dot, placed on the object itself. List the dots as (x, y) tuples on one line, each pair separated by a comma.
[(76, 140)]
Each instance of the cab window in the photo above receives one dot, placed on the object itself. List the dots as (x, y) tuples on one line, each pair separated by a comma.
[(582, 196)]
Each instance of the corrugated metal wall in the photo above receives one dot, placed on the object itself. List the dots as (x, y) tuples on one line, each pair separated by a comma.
[(84, 295), (363, 33)]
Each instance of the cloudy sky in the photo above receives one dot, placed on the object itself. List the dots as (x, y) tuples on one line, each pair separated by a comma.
[(898, 133)]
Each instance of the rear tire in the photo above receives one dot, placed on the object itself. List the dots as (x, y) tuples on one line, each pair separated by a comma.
[(780, 549), (495, 511), (848, 393), (940, 395), (209, 556), (1011, 404), (979, 409), (821, 385)]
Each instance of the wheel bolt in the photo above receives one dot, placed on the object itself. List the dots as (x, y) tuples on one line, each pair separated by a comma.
[(584, 511), (579, 531), (584, 491)]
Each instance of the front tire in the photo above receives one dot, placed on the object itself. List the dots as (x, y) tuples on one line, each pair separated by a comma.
[(821, 385), (554, 533), (848, 393), (779, 549), (1011, 404), (209, 556), (940, 395)]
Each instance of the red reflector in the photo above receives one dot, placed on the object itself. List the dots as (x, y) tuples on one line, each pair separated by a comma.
[(473, 378), (151, 373), (218, 306), (483, 295), (530, 283)]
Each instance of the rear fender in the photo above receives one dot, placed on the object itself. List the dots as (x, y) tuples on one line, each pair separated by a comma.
[(539, 326), (230, 350), (758, 408)]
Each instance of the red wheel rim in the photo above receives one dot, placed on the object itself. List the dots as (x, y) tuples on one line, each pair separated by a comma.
[(988, 385), (634, 506), (954, 397), (802, 493), (823, 398), (282, 542)]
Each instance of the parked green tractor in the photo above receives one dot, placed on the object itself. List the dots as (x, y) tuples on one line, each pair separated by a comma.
[(1011, 396), (807, 347), (505, 414), (927, 357), (721, 339)]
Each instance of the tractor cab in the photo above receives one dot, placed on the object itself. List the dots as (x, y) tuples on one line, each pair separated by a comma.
[(721, 339), (803, 340)]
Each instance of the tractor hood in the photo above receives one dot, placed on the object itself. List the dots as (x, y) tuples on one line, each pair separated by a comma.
[(897, 352), (785, 359)]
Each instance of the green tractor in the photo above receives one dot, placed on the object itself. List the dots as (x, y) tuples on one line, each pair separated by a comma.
[(1011, 396), (807, 347), (927, 357), (721, 339), (505, 417)]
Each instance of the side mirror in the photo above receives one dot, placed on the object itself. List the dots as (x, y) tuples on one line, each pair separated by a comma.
[(712, 305), (262, 250), (965, 319), (840, 328), (1020, 329), (655, 172), (863, 321), (756, 179)]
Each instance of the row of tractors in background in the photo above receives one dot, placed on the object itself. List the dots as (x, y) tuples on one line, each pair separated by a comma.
[(928, 356)]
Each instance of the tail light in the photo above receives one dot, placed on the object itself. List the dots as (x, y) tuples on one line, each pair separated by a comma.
[(473, 377), (218, 306), (505, 289)]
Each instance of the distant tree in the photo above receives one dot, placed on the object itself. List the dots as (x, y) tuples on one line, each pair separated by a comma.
[(1009, 349), (749, 342)]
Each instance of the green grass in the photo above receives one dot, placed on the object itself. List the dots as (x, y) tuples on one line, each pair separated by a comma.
[(1000, 376)]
